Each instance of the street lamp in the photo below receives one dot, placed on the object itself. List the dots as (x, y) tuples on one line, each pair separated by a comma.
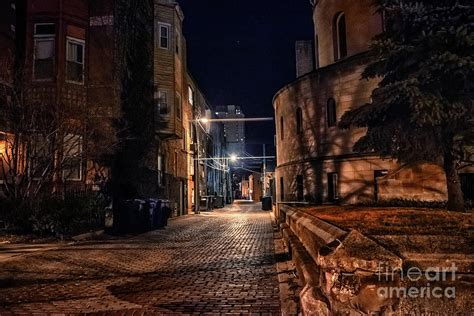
[(233, 157)]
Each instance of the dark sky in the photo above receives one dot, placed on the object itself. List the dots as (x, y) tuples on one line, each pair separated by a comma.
[(242, 52)]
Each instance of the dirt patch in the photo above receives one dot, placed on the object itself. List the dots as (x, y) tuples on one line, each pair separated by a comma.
[(435, 229)]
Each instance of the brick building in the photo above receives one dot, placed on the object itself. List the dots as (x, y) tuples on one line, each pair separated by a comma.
[(73, 62), (316, 162)]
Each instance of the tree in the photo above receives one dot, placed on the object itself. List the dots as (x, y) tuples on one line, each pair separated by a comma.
[(422, 109)]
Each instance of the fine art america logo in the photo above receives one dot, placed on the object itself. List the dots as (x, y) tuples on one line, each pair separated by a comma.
[(421, 284)]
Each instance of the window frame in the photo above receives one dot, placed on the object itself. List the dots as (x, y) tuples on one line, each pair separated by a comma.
[(44, 38), (82, 42), (282, 128), (168, 37), (331, 116), (79, 159), (299, 187), (159, 104), (299, 120), (340, 51), (179, 106)]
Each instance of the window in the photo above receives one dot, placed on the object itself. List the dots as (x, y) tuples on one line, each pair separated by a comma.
[(282, 128), (40, 156), (72, 155), (299, 188), (331, 115), (44, 51), (75, 60), (161, 170), (164, 35), (333, 187), (190, 95), (161, 100), (299, 121), (178, 105), (177, 44), (340, 38), (282, 190)]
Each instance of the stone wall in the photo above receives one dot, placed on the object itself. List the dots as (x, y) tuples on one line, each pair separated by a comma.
[(318, 150), (362, 24)]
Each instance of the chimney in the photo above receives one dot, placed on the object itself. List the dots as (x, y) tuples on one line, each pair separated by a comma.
[(304, 58)]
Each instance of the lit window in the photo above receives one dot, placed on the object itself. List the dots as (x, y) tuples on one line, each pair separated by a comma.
[(75, 60), (161, 170), (72, 152), (44, 51), (164, 35), (340, 37), (190, 95), (331, 115)]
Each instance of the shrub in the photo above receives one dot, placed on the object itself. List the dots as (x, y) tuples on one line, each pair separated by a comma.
[(55, 216)]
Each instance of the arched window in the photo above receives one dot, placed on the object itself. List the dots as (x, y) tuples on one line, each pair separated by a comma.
[(299, 121), (282, 129), (331, 115), (340, 38)]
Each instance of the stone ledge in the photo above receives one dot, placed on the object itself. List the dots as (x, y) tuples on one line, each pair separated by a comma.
[(313, 301)]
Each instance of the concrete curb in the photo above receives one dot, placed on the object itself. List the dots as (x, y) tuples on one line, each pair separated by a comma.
[(313, 301), (312, 232)]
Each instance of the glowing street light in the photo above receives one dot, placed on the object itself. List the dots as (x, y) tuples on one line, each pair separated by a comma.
[(204, 120), (233, 158)]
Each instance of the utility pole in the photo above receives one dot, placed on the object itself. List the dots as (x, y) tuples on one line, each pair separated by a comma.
[(264, 178)]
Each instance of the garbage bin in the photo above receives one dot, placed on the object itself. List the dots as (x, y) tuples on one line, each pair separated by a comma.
[(156, 218), (267, 203), (165, 212)]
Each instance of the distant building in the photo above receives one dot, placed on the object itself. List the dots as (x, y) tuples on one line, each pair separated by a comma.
[(234, 131)]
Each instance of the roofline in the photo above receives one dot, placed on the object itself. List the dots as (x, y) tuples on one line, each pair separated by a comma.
[(317, 71)]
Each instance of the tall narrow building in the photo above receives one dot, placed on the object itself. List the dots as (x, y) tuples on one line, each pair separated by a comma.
[(234, 130)]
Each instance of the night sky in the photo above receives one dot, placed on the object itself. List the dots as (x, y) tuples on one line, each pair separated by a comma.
[(242, 52)]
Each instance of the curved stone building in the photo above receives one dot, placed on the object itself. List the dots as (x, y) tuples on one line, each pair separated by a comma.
[(316, 162)]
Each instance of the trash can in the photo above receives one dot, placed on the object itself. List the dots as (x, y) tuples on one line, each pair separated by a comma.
[(218, 201), (165, 212), (267, 203), (156, 218), (142, 213)]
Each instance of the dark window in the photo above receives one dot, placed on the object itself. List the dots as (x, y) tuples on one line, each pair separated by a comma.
[(178, 105), (282, 129), (282, 190), (161, 99), (45, 29), (331, 115), (299, 188), (164, 35), (299, 121), (45, 47), (340, 37), (333, 187), (177, 45), (75, 61)]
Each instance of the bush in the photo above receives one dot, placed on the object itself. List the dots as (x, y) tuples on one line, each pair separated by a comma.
[(55, 216)]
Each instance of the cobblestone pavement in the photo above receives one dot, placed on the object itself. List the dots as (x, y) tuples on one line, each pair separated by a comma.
[(216, 263)]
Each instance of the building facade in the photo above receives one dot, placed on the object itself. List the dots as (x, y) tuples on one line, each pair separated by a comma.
[(72, 60), (234, 131), (315, 160)]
